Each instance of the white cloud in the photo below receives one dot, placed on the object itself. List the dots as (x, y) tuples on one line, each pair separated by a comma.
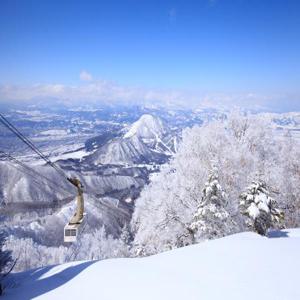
[(110, 92), (85, 76), (93, 91)]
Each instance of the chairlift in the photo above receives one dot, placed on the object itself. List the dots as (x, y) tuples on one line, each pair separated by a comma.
[(72, 229)]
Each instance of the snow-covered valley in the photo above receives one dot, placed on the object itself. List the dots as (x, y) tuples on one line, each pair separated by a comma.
[(241, 266)]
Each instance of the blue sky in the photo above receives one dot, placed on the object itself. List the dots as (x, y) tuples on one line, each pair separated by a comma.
[(209, 46)]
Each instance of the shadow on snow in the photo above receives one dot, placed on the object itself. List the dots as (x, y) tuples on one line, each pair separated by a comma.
[(32, 286), (278, 234)]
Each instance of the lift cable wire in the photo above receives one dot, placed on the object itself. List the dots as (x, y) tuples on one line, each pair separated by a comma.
[(32, 173), (12, 128), (34, 180)]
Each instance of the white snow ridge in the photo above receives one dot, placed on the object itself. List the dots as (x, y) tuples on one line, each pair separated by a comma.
[(146, 140), (238, 267), (147, 127)]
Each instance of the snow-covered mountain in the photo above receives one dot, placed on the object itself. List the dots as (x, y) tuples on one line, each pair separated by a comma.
[(147, 127), (242, 266), (148, 140)]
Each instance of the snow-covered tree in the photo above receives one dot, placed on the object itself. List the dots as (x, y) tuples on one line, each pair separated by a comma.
[(259, 207), (32, 255), (5, 258), (212, 219), (288, 178), (125, 235), (95, 245), (5, 255)]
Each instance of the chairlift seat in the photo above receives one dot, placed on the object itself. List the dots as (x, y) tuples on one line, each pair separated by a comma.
[(71, 231)]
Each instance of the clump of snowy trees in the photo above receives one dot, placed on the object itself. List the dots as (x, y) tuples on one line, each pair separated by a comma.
[(260, 208), (180, 206), (96, 245)]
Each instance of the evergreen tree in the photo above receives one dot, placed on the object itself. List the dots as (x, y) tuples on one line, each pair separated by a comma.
[(125, 235), (259, 207), (212, 219)]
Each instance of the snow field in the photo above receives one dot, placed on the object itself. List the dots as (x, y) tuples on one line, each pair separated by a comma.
[(241, 266)]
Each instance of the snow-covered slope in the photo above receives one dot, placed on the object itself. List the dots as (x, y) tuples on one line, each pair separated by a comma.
[(146, 127), (122, 151), (16, 186), (148, 140), (242, 266)]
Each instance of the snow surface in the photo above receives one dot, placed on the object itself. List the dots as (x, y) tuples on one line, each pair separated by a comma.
[(55, 132), (241, 266), (74, 155)]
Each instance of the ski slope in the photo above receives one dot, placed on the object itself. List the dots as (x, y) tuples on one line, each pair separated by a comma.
[(242, 266)]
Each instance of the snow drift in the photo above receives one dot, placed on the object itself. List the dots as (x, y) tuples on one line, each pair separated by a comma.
[(241, 266)]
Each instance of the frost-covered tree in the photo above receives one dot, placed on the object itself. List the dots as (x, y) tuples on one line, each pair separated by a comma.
[(95, 245), (5, 259), (32, 255), (288, 178), (259, 207), (5, 255), (212, 218)]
